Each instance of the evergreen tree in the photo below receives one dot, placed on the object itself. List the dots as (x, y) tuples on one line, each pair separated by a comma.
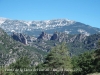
[(85, 62), (58, 58), (22, 62)]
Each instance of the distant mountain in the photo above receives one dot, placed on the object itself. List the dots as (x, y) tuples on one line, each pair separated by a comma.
[(49, 26)]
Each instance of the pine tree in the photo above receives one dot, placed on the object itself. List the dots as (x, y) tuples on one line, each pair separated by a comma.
[(58, 58)]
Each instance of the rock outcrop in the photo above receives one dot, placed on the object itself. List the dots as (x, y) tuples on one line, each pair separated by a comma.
[(59, 36), (30, 38), (78, 38), (19, 37), (44, 36), (54, 36)]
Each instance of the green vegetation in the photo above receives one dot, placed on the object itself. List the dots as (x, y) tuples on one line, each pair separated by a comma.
[(23, 62), (88, 62), (85, 63), (20, 67), (58, 59), (11, 50)]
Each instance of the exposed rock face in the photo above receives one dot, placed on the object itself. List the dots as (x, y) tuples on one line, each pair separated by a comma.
[(78, 38), (19, 37), (59, 36), (81, 37), (65, 37), (30, 38), (44, 36), (54, 36)]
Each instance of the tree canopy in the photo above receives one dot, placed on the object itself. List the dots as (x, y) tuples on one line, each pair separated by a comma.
[(58, 57)]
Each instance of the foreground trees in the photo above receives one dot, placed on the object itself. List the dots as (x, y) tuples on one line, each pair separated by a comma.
[(58, 59), (85, 62), (88, 62), (23, 62)]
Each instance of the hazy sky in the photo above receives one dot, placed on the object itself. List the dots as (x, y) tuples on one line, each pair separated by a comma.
[(85, 11)]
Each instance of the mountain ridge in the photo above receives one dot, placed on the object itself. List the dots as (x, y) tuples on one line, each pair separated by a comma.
[(49, 26), (77, 43)]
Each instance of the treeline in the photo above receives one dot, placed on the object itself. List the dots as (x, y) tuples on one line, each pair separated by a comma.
[(58, 62)]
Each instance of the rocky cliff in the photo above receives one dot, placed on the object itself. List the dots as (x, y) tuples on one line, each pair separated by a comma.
[(19, 37), (44, 36)]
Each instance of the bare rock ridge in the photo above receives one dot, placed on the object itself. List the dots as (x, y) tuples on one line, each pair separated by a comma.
[(44, 36), (57, 36), (45, 41), (60, 37), (54, 36), (19, 37)]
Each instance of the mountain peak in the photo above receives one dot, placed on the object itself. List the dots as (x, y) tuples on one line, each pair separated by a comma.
[(2, 20), (60, 21), (50, 26)]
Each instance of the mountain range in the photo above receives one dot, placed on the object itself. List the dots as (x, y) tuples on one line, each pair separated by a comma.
[(20, 38), (50, 26)]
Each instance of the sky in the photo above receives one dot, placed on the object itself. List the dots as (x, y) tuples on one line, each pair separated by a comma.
[(84, 11)]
